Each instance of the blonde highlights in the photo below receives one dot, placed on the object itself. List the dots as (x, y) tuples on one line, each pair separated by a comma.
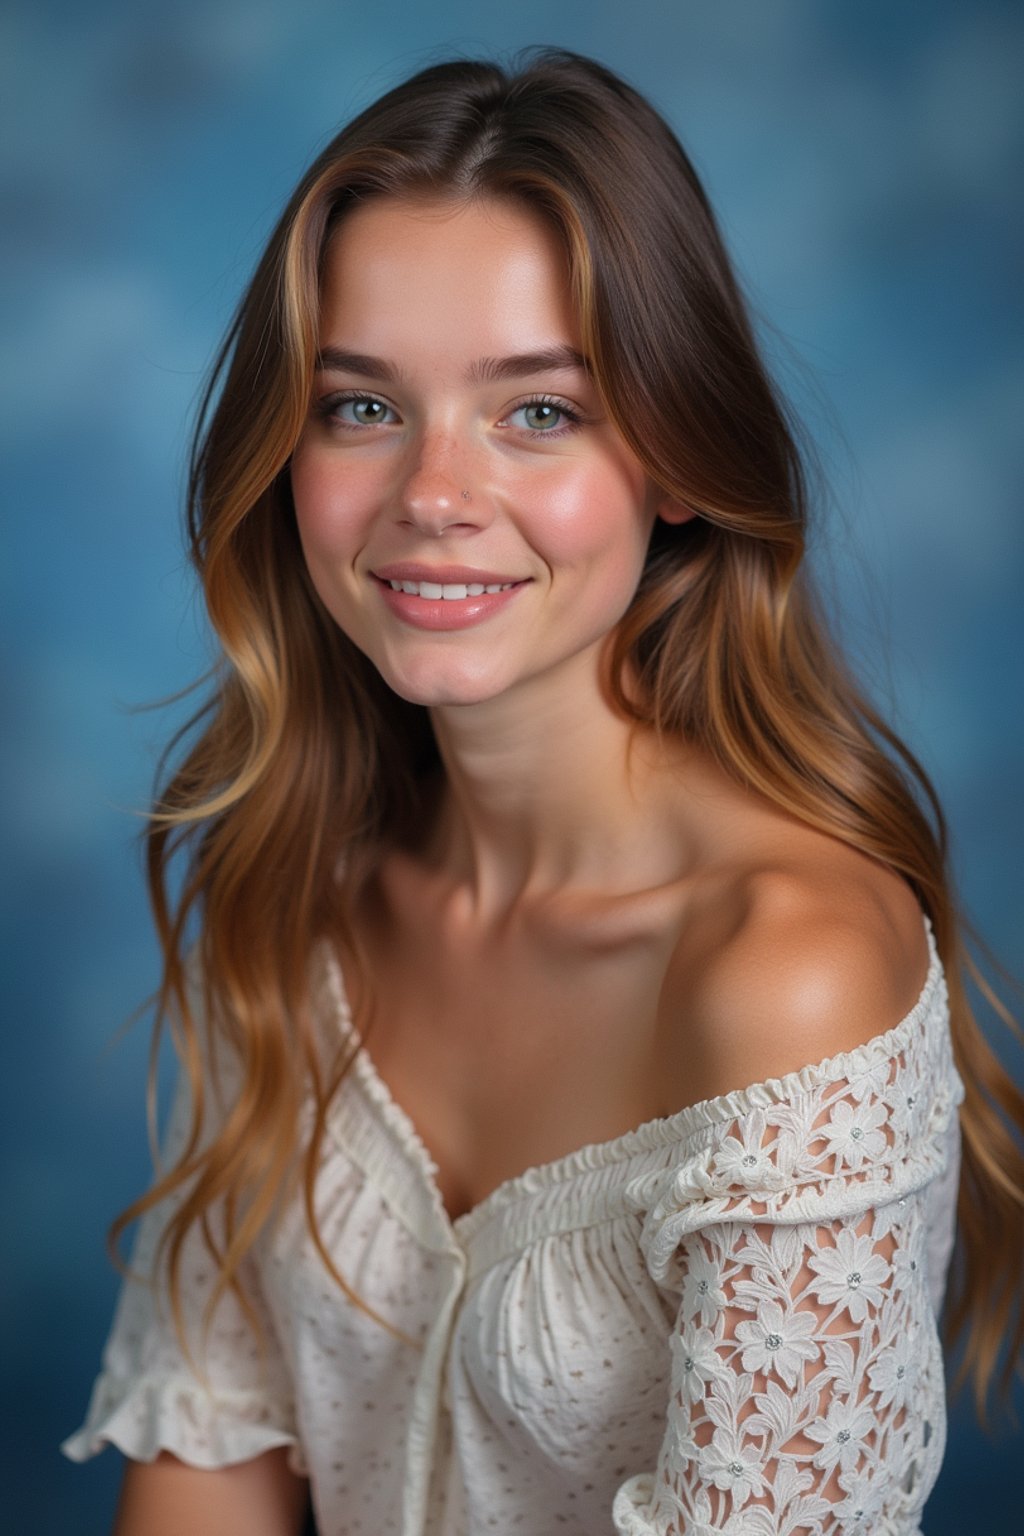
[(303, 758)]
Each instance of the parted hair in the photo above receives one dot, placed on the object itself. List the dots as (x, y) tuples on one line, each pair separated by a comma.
[(302, 764)]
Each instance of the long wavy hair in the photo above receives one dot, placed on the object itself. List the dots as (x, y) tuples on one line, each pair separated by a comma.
[(301, 754)]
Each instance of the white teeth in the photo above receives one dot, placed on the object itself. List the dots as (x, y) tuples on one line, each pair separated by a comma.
[(452, 592)]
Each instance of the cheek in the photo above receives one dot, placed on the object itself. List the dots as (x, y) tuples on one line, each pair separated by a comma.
[(331, 512), (598, 523), (332, 515)]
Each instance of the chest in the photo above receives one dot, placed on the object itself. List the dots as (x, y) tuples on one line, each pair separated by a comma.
[(515, 1052), (537, 1369)]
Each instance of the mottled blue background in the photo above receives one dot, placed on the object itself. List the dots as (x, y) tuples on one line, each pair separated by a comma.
[(866, 162)]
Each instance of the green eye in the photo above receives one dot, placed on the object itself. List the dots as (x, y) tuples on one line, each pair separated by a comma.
[(355, 411), (543, 416), (368, 411)]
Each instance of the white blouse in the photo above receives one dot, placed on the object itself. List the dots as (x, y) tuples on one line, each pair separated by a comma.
[(723, 1323)]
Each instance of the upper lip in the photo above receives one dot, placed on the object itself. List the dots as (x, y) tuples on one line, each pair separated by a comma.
[(446, 575)]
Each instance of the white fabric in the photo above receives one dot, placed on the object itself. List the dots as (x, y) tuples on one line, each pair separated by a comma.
[(720, 1324)]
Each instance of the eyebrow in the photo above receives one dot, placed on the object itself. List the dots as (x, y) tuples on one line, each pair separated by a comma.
[(485, 370)]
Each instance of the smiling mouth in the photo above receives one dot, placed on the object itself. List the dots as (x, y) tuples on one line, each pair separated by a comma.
[(450, 592)]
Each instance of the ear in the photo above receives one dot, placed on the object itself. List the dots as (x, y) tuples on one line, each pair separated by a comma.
[(672, 511)]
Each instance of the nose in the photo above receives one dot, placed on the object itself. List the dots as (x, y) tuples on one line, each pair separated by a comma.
[(437, 491)]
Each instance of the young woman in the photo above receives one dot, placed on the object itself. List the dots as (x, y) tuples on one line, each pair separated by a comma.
[(577, 1075)]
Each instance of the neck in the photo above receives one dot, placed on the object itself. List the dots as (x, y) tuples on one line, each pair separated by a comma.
[(546, 790)]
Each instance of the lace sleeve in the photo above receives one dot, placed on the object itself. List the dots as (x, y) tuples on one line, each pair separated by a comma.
[(146, 1398), (807, 1391)]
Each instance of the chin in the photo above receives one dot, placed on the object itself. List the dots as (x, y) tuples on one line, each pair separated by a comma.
[(433, 689)]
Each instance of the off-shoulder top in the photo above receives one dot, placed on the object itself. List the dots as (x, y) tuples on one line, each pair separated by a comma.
[(723, 1323)]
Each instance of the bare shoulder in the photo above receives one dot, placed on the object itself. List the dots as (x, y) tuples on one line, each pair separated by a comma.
[(805, 958)]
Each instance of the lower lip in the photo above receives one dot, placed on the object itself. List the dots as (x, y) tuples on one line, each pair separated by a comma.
[(442, 613)]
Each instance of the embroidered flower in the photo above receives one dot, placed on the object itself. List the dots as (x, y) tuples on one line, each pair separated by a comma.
[(893, 1372), (779, 1341), (905, 1107), (860, 1510), (906, 1267), (732, 1466), (703, 1296), (841, 1432), (876, 1079), (854, 1132), (851, 1273), (743, 1161), (695, 1362)]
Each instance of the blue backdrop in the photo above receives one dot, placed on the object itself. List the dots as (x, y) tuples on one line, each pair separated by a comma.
[(866, 163)]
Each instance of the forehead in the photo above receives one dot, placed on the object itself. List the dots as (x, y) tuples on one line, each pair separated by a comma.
[(455, 272)]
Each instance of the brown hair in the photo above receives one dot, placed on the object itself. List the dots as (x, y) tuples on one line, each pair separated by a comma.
[(302, 752)]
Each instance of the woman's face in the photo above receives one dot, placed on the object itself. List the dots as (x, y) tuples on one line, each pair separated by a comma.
[(456, 443)]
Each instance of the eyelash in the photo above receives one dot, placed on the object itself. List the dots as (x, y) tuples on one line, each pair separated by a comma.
[(573, 418), (327, 407)]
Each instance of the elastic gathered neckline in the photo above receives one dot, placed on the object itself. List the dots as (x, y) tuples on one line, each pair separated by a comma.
[(649, 1137)]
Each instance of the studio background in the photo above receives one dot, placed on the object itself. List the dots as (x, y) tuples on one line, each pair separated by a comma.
[(865, 161)]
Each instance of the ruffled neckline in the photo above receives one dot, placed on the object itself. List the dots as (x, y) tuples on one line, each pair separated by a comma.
[(650, 1136)]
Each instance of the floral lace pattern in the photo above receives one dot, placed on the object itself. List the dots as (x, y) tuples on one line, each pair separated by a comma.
[(807, 1393)]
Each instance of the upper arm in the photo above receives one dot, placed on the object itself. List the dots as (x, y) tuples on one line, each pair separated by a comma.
[(261, 1497), (807, 1383), (810, 972)]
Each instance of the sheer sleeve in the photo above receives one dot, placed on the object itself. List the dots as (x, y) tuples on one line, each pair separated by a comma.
[(146, 1398), (807, 1393)]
